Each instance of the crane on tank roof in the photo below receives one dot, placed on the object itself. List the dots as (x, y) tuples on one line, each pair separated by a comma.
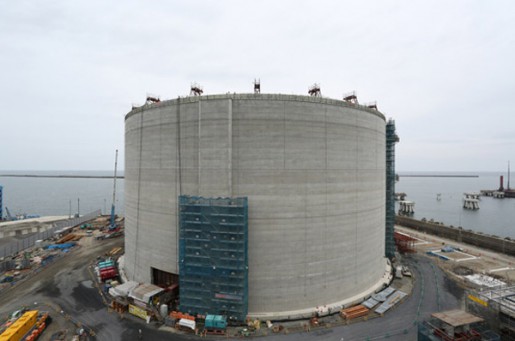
[(152, 99), (257, 86), (196, 89), (351, 97), (371, 105), (314, 90)]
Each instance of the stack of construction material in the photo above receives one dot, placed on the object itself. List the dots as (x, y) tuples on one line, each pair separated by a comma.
[(354, 312), (67, 238), (106, 270), (114, 251)]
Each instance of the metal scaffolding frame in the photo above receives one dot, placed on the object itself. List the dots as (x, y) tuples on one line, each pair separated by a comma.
[(213, 256), (391, 140)]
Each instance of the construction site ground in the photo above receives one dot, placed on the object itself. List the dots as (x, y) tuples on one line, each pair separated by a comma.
[(68, 290), (466, 259)]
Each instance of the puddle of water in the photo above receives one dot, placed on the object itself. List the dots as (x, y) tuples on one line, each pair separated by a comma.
[(87, 284)]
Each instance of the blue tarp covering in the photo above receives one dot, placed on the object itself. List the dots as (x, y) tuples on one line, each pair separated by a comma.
[(60, 246)]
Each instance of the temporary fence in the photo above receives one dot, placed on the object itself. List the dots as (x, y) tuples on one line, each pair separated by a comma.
[(17, 245)]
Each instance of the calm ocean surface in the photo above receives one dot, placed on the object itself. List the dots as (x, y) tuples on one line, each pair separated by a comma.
[(52, 196), (495, 216)]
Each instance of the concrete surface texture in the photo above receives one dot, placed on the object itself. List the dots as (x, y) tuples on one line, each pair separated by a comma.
[(313, 170)]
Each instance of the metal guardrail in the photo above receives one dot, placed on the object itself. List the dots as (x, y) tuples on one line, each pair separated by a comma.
[(22, 244)]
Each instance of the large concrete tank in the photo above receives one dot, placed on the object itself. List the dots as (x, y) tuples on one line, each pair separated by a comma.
[(313, 170)]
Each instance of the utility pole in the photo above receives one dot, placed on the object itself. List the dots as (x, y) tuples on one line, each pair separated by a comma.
[(78, 207)]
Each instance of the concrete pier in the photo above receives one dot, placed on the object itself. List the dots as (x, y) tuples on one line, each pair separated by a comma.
[(406, 207), (487, 192), (471, 204), (400, 196), (498, 194), (472, 195)]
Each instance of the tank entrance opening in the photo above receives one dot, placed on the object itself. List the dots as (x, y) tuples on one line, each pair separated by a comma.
[(164, 279), (170, 282)]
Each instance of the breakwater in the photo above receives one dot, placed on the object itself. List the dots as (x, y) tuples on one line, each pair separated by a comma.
[(458, 234), (65, 176), (437, 176)]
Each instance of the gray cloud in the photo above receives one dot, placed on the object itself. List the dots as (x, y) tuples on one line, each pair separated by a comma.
[(71, 70)]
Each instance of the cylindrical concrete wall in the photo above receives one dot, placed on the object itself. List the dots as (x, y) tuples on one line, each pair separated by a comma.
[(313, 170)]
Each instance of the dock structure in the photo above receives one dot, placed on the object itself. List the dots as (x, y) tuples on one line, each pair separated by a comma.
[(501, 192), (472, 195), (471, 204), (498, 194), (400, 196), (406, 207), (488, 192)]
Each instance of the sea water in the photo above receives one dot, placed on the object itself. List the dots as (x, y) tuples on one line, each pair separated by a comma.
[(495, 216), (54, 196), (60, 196)]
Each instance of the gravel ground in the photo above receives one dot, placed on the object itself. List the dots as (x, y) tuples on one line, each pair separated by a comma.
[(67, 284)]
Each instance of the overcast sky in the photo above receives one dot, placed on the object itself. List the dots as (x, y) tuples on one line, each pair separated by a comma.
[(70, 70)]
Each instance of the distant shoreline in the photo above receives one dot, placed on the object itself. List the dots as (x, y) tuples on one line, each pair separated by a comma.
[(69, 176), (62, 176), (438, 176)]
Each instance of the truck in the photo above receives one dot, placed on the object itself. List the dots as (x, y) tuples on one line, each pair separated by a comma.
[(215, 324)]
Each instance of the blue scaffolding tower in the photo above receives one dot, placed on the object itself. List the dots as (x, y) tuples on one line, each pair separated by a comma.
[(213, 258), (391, 140)]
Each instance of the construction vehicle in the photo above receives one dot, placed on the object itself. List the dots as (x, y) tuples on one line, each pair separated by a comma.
[(215, 324)]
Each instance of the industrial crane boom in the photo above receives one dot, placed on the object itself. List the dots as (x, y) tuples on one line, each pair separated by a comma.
[(113, 225)]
